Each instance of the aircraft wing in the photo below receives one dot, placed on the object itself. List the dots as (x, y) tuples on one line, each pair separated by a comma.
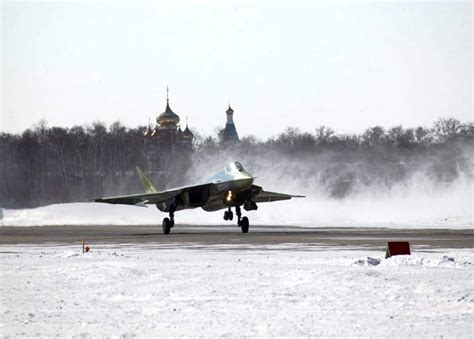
[(265, 196), (151, 198)]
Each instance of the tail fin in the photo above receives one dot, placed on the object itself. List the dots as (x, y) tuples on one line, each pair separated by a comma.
[(147, 184)]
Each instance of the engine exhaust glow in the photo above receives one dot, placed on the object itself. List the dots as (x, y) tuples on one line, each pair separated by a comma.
[(229, 197)]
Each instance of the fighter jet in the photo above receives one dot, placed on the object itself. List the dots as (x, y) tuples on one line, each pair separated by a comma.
[(231, 187)]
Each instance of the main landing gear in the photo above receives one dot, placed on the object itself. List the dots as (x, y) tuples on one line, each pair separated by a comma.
[(242, 222), (168, 223)]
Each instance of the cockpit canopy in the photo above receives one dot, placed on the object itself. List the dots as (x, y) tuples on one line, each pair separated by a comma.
[(234, 167), (228, 173)]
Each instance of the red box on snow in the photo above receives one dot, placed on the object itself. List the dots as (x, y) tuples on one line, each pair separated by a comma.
[(397, 248)]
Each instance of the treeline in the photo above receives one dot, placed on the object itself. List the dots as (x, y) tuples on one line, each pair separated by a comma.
[(46, 165), (327, 164)]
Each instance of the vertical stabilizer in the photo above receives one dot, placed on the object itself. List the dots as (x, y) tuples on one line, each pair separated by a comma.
[(147, 184)]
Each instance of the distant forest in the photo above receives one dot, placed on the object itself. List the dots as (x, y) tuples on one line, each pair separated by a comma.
[(45, 165)]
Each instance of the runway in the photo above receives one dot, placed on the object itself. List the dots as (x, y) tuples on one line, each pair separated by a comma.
[(225, 235)]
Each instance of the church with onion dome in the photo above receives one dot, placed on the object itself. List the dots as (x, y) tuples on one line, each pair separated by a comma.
[(168, 133), (167, 141)]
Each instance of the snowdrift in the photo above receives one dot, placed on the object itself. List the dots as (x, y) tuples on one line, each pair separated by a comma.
[(123, 291), (452, 209)]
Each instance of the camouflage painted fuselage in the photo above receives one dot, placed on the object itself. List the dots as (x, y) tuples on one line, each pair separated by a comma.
[(232, 186), (229, 187)]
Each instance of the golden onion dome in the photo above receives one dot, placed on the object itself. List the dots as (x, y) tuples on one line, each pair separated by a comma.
[(168, 117)]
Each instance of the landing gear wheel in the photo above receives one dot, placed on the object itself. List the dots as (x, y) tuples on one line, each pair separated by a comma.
[(166, 225), (244, 224), (228, 215)]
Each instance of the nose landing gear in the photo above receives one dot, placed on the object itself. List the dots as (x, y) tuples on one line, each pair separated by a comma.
[(228, 215)]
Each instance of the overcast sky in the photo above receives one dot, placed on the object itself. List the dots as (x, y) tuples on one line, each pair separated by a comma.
[(346, 65)]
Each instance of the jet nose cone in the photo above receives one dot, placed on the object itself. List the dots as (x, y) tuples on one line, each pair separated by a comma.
[(248, 180), (245, 180)]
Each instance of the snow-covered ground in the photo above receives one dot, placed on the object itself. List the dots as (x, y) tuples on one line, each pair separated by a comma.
[(286, 290), (393, 213)]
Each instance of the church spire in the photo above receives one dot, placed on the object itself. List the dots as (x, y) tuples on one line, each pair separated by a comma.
[(230, 115), (230, 133)]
